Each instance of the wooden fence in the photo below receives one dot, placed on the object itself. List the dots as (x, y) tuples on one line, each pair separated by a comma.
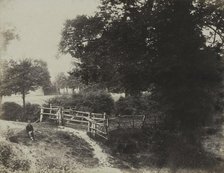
[(97, 123)]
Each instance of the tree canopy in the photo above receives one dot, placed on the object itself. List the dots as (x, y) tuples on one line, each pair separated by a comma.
[(118, 46), (24, 76), (174, 48)]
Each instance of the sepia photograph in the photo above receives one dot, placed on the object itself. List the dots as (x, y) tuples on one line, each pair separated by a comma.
[(111, 86)]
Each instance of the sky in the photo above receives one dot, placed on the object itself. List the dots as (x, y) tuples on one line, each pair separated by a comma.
[(39, 24)]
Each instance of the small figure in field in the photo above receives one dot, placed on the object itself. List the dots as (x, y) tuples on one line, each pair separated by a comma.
[(29, 130)]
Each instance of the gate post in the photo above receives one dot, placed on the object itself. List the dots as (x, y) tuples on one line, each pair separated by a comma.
[(89, 124), (60, 116), (41, 114), (94, 128), (50, 108), (107, 123), (93, 125)]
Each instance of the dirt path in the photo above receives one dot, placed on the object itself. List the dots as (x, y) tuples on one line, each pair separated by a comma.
[(50, 150), (104, 164), (34, 152)]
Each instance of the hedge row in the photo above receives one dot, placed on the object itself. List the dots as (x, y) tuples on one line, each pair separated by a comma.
[(101, 101), (13, 111)]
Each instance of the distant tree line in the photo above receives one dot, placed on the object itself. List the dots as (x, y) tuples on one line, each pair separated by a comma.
[(68, 81)]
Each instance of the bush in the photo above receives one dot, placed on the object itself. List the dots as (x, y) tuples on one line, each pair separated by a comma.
[(91, 101), (95, 101), (13, 111), (16, 165), (136, 105), (32, 112), (60, 101), (8, 159), (5, 154)]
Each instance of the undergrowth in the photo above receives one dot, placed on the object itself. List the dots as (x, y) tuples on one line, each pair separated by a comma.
[(9, 162)]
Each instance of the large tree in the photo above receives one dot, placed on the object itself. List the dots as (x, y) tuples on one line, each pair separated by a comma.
[(111, 47), (24, 76), (187, 69), (173, 47)]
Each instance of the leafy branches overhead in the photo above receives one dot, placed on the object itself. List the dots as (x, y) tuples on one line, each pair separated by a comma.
[(118, 46), (172, 46), (187, 70), (111, 51)]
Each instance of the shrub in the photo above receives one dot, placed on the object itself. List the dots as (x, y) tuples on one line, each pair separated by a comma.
[(95, 101), (16, 165), (135, 105), (5, 154), (32, 112), (9, 160), (59, 101), (11, 111), (91, 101)]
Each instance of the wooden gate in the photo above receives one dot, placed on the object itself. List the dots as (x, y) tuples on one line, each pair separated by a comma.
[(53, 113), (96, 123)]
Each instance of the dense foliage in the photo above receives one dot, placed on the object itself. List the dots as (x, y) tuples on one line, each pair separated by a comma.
[(14, 112), (136, 105), (89, 101), (11, 111), (172, 48), (23, 76)]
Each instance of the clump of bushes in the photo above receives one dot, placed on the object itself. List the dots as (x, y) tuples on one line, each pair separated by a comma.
[(101, 101), (92, 101), (32, 112), (133, 105), (7, 160), (11, 111), (5, 154), (14, 112), (64, 100)]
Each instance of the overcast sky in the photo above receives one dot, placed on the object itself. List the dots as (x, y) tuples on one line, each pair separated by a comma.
[(39, 24)]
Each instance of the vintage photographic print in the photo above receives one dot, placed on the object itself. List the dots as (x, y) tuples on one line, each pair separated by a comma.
[(111, 86)]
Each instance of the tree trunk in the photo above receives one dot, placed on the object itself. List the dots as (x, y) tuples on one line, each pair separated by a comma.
[(24, 105)]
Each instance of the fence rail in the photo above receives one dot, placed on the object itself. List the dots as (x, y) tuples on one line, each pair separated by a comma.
[(97, 123)]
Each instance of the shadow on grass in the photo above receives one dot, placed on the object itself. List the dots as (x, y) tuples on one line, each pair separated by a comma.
[(161, 149)]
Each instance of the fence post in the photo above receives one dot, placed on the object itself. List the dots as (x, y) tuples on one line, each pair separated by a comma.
[(89, 129), (60, 116), (143, 121), (50, 108), (119, 121), (41, 114), (93, 125), (133, 122), (107, 122)]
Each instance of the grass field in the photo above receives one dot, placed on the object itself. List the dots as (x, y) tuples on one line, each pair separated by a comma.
[(40, 99), (34, 99)]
